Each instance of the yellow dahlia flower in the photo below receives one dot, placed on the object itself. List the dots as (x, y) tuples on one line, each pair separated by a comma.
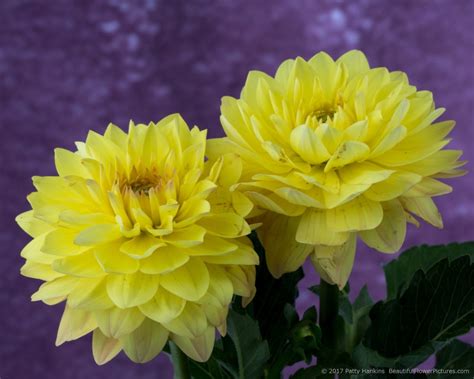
[(131, 237), (336, 150)]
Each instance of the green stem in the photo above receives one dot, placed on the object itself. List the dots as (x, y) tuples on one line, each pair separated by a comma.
[(180, 363), (328, 310)]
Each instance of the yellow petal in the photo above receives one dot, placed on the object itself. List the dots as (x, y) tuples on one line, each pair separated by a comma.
[(78, 220), (212, 246), (69, 163), (45, 209), (39, 271), (313, 229), (326, 181), (145, 342), (229, 225), (98, 234), (116, 135), (231, 169), (438, 162), (55, 300), (189, 182), (334, 263), (297, 197), (216, 314), (359, 214), (217, 147), (325, 68), (116, 322), (243, 279), (61, 242), (283, 253), (220, 290), (104, 348), (190, 211), (164, 259), (131, 289), (307, 145), (389, 236), (244, 255), (399, 157), (116, 202), (57, 288), (347, 152), (198, 348), (429, 135), (331, 137), (425, 208), (141, 246), (355, 62), (191, 236), (275, 203), (191, 322), (163, 307), (74, 324), (31, 225), (102, 149), (294, 179), (394, 186), (141, 218), (90, 293), (364, 173), (190, 281), (112, 261), (32, 251), (388, 141), (241, 203), (82, 265), (357, 131), (428, 187)]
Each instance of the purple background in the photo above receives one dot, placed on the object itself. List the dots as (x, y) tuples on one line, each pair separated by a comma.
[(70, 66)]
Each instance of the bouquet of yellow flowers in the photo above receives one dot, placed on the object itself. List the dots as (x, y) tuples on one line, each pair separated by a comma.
[(159, 239)]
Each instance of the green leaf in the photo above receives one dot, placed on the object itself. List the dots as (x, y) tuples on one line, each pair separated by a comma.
[(399, 272), (273, 307), (363, 299), (251, 352), (365, 357), (208, 370), (356, 329), (302, 342), (456, 355), (272, 296), (213, 368), (290, 314), (436, 306), (345, 309)]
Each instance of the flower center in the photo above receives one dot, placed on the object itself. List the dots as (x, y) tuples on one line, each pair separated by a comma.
[(323, 115), (142, 183)]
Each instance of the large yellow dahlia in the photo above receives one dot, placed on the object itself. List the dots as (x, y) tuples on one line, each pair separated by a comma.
[(336, 150), (132, 237)]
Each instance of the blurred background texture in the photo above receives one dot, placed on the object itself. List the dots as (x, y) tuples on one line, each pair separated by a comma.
[(69, 66)]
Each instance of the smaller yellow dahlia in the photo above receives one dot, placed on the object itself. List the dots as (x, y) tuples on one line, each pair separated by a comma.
[(336, 150), (140, 240)]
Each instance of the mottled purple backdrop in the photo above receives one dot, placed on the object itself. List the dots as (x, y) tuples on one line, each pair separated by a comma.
[(70, 66)]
